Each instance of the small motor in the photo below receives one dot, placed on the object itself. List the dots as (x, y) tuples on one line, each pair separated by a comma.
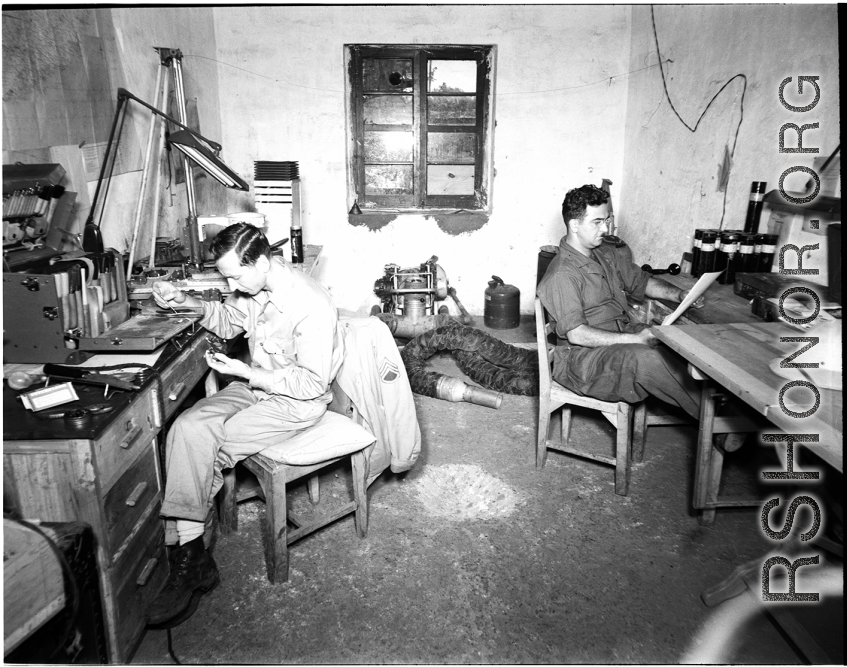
[(412, 292)]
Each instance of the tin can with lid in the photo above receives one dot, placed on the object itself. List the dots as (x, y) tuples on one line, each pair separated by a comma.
[(502, 305)]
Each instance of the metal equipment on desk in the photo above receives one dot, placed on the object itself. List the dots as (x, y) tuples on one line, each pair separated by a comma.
[(52, 312), (33, 200)]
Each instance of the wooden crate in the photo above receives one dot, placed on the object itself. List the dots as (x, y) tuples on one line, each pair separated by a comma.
[(33, 585)]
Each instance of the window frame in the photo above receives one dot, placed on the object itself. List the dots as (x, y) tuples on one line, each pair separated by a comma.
[(420, 55)]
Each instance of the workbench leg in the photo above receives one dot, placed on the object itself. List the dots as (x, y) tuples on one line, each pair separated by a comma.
[(705, 448)]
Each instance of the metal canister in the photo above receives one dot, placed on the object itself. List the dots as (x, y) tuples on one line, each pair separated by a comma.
[(695, 252), (502, 305), (746, 248), (767, 252), (725, 259), (707, 251)]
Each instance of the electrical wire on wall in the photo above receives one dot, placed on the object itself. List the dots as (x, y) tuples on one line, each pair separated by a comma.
[(743, 77)]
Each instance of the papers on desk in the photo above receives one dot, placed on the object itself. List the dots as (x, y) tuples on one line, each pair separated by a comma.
[(115, 359), (696, 292)]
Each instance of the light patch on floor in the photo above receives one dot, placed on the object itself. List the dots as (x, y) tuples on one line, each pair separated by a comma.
[(459, 492)]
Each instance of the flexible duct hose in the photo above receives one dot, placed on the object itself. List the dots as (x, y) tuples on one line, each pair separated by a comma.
[(495, 365)]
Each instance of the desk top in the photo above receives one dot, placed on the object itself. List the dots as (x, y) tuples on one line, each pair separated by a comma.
[(722, 303), (22, 424), (738, 357)]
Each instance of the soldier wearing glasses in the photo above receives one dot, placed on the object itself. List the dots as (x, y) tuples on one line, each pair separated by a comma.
[(602, 352)]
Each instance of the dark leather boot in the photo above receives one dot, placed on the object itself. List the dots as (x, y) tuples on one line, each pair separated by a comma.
[(193, 572)]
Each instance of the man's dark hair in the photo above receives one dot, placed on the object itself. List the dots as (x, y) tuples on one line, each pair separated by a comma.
[(248, 242), (578, 199)]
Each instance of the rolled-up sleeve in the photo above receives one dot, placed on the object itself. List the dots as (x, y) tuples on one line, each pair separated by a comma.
[(310, 374), (563, 300)]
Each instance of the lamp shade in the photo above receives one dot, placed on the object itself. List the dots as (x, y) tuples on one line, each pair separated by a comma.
[(188, 144)]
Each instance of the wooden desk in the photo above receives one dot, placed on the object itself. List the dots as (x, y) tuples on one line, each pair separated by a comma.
[(737, 357), (106, 474), (723, 305)]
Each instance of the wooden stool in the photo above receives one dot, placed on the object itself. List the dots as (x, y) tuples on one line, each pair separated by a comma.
[(336, 436), (553, 396)]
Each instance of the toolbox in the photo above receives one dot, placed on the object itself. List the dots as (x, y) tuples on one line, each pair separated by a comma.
[(65, 312)]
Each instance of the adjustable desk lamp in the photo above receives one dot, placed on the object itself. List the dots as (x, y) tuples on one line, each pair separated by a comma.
[(189, 144)]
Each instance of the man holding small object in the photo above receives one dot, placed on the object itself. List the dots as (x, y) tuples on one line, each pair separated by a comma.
[(603, 353), (296, 350)]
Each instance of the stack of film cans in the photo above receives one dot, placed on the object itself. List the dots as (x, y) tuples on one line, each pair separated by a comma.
[(731, 251)]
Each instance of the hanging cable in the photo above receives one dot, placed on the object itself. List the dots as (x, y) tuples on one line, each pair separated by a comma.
[(743, 77)]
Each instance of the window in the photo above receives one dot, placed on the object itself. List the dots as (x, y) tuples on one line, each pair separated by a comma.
[(420, 126)]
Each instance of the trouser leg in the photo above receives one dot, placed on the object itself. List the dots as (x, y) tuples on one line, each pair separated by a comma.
[(218, 432), (192, 445), (628, 373)]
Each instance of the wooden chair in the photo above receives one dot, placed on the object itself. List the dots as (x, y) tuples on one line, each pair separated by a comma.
[(337, 435), (553, 396)]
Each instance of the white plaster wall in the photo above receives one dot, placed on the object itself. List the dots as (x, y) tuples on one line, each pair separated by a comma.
[(669, 186), (134, 66), (282, 80)]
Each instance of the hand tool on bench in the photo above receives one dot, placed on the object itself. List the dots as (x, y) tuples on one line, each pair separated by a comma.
[(87, 376)]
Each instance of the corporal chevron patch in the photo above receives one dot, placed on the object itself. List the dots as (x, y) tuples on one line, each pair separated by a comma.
[(388, 371)]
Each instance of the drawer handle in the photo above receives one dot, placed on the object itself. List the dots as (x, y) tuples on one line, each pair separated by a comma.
[(135, 496), (157, 417), (127, 442), (144, 577), (176, 391)]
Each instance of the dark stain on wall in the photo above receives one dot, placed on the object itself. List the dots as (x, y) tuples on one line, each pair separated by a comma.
[(454, 224), (461, 222)]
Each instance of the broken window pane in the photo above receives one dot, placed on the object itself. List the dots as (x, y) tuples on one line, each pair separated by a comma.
[(452, 110), (387, 109), (449, 179), (387, 75), (452, 76), (388, 146), (451, 147), (396, 179)]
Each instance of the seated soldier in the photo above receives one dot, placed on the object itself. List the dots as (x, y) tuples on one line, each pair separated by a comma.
[(296, 351), (605, 354)]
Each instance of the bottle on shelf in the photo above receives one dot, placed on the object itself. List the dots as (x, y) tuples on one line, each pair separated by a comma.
[(297, 245)]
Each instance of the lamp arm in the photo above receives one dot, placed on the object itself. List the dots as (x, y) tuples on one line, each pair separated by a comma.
[(124, 94), (90, 218)]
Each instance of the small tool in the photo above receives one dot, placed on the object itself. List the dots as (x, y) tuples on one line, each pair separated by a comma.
[(87, 376), (96, 409)]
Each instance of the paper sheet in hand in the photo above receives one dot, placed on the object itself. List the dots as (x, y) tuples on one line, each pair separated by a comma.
[(696, 292)]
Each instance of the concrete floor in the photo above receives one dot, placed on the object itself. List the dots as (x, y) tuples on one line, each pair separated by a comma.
[(476, 556)]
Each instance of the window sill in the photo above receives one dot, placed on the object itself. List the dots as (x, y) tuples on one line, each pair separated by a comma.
[(451, 220)]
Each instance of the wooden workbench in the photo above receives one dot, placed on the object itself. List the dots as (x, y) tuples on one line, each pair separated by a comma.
[(723, 305), (738, 357)]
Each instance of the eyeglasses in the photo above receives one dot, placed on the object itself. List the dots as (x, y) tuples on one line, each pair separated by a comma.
[(605, 221)]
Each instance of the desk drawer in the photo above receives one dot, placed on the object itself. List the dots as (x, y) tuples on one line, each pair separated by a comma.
[(129, 435), (125, 502), (179, 379), (136, 581)]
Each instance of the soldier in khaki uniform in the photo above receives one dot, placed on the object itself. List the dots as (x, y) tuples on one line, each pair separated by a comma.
[(603, 354), (296, 350)]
